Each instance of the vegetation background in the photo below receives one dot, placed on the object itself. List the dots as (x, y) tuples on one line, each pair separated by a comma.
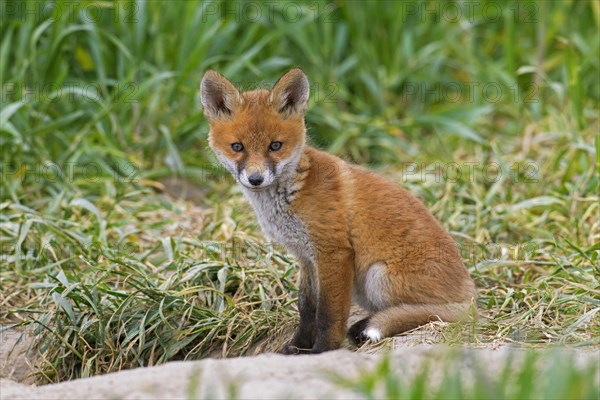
[(487, 110)]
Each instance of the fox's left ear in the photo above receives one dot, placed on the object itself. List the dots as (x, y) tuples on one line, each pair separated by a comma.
[(220, 99), (290, 94)]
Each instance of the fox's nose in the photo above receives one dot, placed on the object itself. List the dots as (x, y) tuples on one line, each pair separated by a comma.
[(255, 179)]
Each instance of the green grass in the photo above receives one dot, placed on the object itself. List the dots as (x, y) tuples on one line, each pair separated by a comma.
[(463, 376), (95, 112)]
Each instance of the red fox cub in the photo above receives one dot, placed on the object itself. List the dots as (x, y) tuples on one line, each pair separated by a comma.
[(355, 234)]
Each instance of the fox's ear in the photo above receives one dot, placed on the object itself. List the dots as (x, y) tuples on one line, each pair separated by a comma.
[(289, 96), (220, 99)]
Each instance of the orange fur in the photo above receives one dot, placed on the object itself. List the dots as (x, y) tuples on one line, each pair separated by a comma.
[(359, 235)]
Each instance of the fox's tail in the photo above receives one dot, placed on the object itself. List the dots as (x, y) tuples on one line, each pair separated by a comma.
[(397, 319)]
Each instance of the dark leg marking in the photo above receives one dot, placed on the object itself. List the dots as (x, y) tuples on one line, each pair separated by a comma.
[(355, 333)]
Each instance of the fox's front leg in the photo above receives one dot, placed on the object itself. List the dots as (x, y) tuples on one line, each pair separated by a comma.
[(335, 273), (304, 338)]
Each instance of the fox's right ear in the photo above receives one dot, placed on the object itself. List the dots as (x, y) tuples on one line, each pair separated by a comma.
[(219, 98), (289, 95)]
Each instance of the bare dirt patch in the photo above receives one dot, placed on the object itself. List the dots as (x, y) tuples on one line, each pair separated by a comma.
[(272, 376)]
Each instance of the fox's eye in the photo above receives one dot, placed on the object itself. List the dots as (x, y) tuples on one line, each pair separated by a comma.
[(274, 146), (237, 147)]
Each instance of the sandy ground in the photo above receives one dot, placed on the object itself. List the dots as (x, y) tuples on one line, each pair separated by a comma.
[(16, 357), (266, 376)]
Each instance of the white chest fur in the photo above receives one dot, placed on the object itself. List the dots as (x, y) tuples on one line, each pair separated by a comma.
[(279, 223)]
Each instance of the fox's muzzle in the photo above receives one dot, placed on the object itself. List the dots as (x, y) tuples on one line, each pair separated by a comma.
[(255, 179)]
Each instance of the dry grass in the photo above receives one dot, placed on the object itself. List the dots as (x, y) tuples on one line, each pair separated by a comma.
[(111, 274)]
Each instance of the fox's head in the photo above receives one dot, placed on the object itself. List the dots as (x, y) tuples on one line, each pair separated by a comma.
[(258, 136)]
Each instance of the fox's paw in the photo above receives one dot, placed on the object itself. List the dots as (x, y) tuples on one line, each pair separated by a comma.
[(291, 349), (360, 332), (357, 332), (321, 349)]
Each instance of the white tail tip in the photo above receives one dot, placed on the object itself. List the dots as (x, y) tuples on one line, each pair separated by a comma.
[(373, 334)]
